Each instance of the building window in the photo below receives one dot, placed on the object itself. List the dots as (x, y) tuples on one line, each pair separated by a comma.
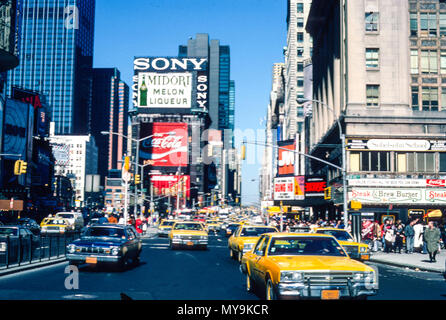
[(300, 52), (300, 67), (415, 99), (372, 58), (442, 24), (401, 162), (442, 162), (374, 161), (354, 162), (443, 62), (428, 24), (372, 95), (443, 98), (414, 61), (300, 81), (371, 21), (300, 7), (415, 162), (429, 61), (413, 25), (430, 98), (300, 22), (300, 37)]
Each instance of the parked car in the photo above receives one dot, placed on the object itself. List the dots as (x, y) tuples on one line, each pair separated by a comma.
[(106, 244), (75, 219), (306, 265), (30, 224), (15, 240)]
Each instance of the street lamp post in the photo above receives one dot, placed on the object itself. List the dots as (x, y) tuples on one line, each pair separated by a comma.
[(137, 141), (344, 162)]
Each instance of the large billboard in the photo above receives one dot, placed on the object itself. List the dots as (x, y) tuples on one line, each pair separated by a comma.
[(164, 185), (287, 158), (168, 146), (17, 128), (170, 85), (289, 188)]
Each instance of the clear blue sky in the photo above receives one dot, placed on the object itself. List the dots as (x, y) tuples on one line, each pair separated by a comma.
[(255, 30)]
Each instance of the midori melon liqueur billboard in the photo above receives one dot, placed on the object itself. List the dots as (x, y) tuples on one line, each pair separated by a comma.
[(170, 85)]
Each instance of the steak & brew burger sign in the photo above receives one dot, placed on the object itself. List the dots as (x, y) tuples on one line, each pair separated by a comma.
[(399, 195)]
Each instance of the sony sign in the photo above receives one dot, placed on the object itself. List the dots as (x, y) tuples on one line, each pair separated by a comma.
[(169, 64)]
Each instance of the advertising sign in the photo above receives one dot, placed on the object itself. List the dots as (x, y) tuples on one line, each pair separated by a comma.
[(286, 158), (168, 147), (299, 188), (284, 188), (398, 195), (164, 185), (170, 85), (315, 186), (28, 97), (61, 153), (396, 145), (422, 183)]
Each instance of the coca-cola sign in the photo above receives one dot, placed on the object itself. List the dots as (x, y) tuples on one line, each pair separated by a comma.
[(167, 145)]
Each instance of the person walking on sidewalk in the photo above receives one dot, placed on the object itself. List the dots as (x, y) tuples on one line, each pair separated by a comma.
[(389, 236), (409, 232), (432, 237), (399, 236), (376, 236)]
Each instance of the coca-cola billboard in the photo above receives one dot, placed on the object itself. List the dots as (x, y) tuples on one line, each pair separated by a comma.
[(168, 146)]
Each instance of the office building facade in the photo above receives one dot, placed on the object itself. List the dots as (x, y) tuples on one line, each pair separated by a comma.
[(56, 59)]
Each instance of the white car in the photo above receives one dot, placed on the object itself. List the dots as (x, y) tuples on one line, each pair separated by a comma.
[(74, 218)]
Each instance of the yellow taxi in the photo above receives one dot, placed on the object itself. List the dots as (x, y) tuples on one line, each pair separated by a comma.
[(213, 225), (244, 239), (55, 225), (306, 265), (188, 234), (164, 227), (355, 250)]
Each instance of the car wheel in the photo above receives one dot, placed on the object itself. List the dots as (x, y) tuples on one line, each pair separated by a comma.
[(270, 292)]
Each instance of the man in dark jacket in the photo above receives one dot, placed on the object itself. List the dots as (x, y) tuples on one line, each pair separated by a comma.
[(432, 238), (409, 233)]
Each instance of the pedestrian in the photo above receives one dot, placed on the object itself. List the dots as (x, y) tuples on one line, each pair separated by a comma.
[(389, 236), (377, 235), (409, 233), (112, 219), (442, 228), (399, 237), (418, 237), (432, 237)]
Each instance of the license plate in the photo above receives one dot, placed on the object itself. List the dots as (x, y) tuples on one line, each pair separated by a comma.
[(365, 257), (330, 294), (190, 243), (91, 260)]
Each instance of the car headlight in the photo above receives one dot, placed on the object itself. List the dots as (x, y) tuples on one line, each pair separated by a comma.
[(2, 246), (71, 248), (204, 237), (115, 251), (363, 276), (291, 276)]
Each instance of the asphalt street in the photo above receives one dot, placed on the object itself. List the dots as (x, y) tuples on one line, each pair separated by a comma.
[(164, 274)]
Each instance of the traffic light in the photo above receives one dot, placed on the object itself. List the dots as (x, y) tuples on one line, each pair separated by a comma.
[(137, 179), (20, 167), (327, 193), (243, 155), (127, 164)]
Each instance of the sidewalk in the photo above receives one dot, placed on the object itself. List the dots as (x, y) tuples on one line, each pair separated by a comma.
[(152, 232), (415, 261)]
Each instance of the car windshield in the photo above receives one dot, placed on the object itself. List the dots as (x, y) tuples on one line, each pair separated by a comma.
[(168, 223), (104, 232), (65, 215), (56, 221), (341, 235), (8, 232), (255, 232), (188, 226), (233, 226), (307, 246)]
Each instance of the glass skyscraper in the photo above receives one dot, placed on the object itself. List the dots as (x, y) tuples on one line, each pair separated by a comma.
[(56, 59)]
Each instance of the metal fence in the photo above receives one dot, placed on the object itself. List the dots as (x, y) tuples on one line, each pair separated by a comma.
[(23, 250)]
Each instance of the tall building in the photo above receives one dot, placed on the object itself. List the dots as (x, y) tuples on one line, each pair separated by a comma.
[(395, 154), (221, 103), (56, 59), (110, 114)]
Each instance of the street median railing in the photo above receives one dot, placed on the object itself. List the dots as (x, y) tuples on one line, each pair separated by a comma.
[(17, 251)]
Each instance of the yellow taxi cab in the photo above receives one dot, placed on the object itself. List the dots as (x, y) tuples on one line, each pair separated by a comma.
[(213, 225), (55, 225), (189, 234), (306, 265), (355, 250), (164, 227), (244, 239)]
